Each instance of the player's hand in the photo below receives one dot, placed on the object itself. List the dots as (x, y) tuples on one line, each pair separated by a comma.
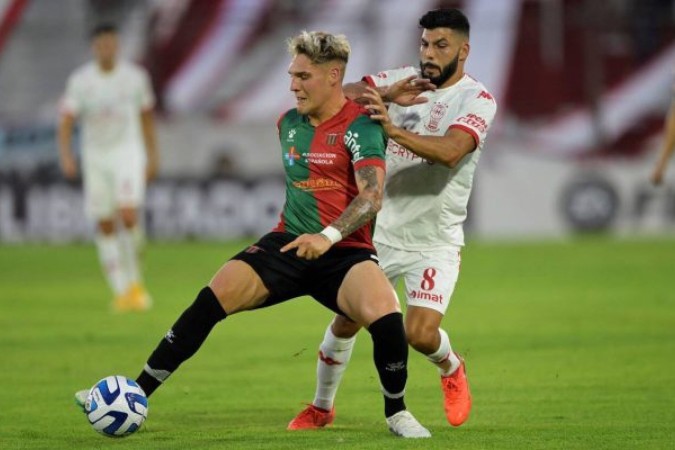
[(657, 176), (310, 246), (377, 108), (406, 92), (69, 168)]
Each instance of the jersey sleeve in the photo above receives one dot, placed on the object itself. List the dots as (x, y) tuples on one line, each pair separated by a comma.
[(147, 97), (387, 77), (476, 116), (71, 102), (367, 142)]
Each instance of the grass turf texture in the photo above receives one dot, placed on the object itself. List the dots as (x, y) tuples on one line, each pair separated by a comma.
[(568, 346)]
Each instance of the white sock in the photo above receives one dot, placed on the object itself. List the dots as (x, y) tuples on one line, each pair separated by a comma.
[(130, 241), (334, 355), (111, 261), (443, 353)]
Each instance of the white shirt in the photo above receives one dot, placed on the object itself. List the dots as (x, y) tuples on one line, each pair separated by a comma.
[(424, 203), (109, 105)]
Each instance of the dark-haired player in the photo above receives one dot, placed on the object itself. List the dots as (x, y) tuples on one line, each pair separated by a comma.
[(434, 145)]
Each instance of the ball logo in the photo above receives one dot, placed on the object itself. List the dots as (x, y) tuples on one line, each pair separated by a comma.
[(437, 113)]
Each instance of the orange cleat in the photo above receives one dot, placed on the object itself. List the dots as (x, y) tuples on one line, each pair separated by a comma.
[(457, 396), (122, 303), (138, 298), (312, 418)]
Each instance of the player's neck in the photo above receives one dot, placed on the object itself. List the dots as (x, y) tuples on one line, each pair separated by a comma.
[(329, 109), (454, 79), (106, 66)]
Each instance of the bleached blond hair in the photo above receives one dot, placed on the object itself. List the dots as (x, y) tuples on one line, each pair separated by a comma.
[(320, 47)]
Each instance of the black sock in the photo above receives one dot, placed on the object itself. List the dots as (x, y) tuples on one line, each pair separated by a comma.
[(182, 340), (390, 352)]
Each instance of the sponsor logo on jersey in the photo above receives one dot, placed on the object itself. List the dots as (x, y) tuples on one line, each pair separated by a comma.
[(321, 159), (332, 139), (351, 141), (421, 295), (437, 112), (292, 156), (396, 149), (317, 184), (474, 121), (291, 135)]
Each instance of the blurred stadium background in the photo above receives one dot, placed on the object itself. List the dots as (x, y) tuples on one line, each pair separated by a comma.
[(583, 87)]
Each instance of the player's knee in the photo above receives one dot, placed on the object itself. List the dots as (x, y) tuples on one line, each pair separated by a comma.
[(106, 227), (423, 338), (129, 218), (238, 288)]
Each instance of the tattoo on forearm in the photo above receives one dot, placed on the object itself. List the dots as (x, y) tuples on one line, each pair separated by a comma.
[(365, 206)]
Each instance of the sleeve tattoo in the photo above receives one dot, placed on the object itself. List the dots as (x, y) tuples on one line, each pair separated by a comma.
[(365, 206)]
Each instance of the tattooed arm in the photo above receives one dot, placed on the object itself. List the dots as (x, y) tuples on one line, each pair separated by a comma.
[(364, 207), (361, 210)]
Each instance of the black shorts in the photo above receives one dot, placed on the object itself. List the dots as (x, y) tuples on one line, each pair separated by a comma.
[(287, 276)]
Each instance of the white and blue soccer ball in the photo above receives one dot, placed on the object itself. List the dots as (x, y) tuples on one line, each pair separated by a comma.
[(116, 406)]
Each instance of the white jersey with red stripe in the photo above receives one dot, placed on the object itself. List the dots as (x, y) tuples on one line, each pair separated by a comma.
[(425, 204), (108, 105)]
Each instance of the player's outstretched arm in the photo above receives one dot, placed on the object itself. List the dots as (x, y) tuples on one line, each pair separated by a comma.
[(447, 150), (405, 92), (667, 147)]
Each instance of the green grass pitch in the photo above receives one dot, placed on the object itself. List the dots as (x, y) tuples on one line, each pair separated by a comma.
[(568, 345)]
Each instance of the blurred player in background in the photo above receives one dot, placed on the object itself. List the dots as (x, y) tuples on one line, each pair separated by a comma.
[(434, 145), (668, 144), (113, 101), (333, 155)]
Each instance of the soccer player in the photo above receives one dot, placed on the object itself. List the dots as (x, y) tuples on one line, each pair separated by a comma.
[(113, 101), (668, 144), (333, 155), (434, 144)]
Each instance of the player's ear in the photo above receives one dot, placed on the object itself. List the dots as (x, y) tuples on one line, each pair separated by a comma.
[(335, 74), (464, 50)]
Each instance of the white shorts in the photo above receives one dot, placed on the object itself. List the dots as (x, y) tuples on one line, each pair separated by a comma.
[(429, 277), (113, 182)]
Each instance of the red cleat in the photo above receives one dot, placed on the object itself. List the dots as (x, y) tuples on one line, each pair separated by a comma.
[(457, 396), (312, 418)]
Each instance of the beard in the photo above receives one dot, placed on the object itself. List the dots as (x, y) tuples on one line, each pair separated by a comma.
[(444, 73)]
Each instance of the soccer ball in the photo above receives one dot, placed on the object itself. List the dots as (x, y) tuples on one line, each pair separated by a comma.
[(116, 406)]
